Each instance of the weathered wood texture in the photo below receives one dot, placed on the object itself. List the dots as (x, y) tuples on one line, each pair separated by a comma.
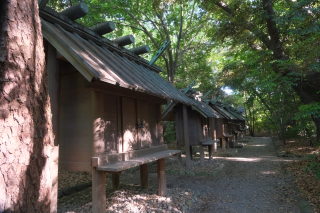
[(186, 136), (76, 122), (144, 176), (53, 70), (26, 135), (115, 181), (162, 184), (98, 191)]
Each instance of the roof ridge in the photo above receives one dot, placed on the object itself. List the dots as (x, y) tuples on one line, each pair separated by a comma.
[(49, 14)]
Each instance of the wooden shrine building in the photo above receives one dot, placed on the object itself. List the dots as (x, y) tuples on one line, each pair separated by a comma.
[(195, 125), (225, 126), (106, 103)]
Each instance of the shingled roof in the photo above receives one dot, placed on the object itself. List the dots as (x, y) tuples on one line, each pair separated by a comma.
[(203, 108), (98, 58)]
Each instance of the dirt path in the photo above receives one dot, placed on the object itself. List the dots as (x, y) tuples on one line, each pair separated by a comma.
[(253, 181)]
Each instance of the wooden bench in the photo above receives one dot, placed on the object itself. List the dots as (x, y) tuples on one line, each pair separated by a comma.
[(116, 164), (211, 144)]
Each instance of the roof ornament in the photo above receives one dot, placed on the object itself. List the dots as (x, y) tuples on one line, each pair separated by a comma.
[(184, 91), (76, 11), (225, 103), (217, 99), (205, 95), (103, 28), (159, 53), (124, 40), (140, 50)]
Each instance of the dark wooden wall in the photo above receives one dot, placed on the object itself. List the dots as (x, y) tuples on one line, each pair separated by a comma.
[(75, 133), (97, 123)]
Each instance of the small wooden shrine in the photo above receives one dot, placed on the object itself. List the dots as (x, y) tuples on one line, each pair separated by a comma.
[(195, 125), (225, 126), (106, 103)]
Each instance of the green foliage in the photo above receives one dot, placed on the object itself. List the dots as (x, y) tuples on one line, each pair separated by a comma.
[(170, 133), (314, 164)]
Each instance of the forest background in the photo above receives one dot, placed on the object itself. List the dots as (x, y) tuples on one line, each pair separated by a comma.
[(265, 52)]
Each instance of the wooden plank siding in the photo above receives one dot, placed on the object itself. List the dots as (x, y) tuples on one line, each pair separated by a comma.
[(96, 123)]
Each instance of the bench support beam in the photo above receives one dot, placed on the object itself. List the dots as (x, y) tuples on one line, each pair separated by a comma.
[(144, 176), (115, 181), (201, 150), (162, 184), (223, 143), (210, 151), (179, 155), (98, 191)]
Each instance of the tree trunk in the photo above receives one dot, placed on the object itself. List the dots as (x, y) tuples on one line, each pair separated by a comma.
[(26, 137)]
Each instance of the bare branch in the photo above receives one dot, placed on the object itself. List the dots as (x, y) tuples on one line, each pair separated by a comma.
[(184, 34)]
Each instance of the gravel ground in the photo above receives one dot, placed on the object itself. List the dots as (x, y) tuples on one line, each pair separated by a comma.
[(251, 180)]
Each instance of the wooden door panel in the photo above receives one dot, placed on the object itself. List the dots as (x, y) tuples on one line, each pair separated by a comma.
[(193, 127), (111, 137), (144, 134), (153, 124), (129, 120)]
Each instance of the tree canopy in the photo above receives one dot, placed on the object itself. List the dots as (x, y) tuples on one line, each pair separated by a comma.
[(266, 51)]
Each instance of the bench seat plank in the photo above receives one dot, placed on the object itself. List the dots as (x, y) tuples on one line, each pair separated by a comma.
[(209, 142), (123, 165)]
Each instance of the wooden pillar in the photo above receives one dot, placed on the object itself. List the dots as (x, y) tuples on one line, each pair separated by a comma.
[(210, 151), (98, 191), (115, 181), (215, 147), (162, 184), (179, 155), (144, 176), (223, 143), (53, 69), (179, 139), (186, 136), (191, 156), (201, 155)]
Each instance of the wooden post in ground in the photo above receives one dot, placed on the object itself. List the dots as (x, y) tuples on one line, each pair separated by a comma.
[(223, 143), (191, 156), (115, 181), (144, 176), (179, 155), (186, 136), (162, 184), (210, 151), (201, 150), (98, 188), (215, 147)]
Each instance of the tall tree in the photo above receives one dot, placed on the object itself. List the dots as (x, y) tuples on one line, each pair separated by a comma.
[(26, 135), (283, 34)]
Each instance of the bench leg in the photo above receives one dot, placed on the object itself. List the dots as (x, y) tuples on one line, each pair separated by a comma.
[(116, 181), (98, 191), (162, 183), (215, 147), (210, 152), (188, 157), (179, 155), (144, 176), (191, 156), (227, 143), (201, 155), (223, 143)]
